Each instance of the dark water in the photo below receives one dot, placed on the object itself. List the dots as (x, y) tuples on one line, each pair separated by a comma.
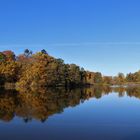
[(99, 113)]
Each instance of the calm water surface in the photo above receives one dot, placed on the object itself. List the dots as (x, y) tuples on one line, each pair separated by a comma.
[(99, 113)]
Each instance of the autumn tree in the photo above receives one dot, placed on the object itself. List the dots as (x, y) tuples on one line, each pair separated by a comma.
[(98, 77), (90, 77), (34, 73), (121, 78), (2, 57), (9, 55), (107, 80), (9, 68)]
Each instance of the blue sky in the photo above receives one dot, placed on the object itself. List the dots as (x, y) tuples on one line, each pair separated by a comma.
[(99, 35)]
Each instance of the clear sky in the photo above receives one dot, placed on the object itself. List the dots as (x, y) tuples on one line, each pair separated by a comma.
[(99, 35)]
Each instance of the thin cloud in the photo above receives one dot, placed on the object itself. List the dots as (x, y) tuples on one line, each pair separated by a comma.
[(40, 46), (94, 43)]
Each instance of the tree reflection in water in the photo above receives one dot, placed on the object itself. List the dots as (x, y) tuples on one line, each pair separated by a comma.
[(39, 104)]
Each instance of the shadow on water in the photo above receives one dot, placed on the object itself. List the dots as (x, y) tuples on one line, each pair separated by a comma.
[(39, 104)]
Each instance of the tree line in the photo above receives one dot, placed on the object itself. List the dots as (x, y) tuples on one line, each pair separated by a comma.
[(40, 69)]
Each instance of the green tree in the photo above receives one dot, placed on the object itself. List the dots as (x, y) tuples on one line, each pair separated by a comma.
[(98, 77)]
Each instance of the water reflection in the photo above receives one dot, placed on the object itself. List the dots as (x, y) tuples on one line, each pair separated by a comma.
[(39, 104)]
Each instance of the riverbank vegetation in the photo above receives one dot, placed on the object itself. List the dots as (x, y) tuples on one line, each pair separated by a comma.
[(41, 69)]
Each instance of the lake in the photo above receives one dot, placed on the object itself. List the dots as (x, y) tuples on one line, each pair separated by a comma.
[(99, 113)]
